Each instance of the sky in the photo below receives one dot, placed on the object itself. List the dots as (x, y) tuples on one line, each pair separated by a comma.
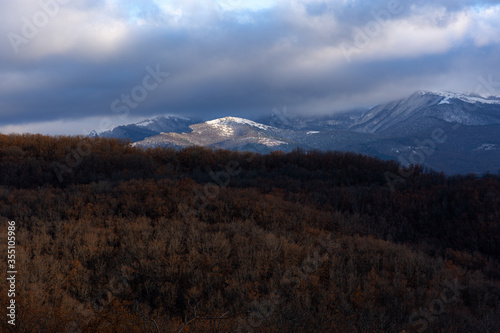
[(71, 66)]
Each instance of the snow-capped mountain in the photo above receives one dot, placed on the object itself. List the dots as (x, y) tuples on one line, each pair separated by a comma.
[(450, 132), (424, 109), (468, 98), (225, 124), (229, 133), (243, 134), (147, 128)]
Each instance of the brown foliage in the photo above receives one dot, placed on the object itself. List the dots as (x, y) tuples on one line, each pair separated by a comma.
[(132, 240)]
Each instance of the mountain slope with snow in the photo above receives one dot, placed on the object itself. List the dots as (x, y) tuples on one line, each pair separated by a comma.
[(148, 127), (450, 132), (243, 134), (422, 110), (468, 98), (228, 133)]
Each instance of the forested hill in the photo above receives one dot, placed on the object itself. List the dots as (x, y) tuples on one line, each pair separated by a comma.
[(114, 238)]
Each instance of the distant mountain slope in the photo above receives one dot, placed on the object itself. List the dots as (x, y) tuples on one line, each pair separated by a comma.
[(422, 110), (243, 134), (230, 133), (450, 132), (148, 127), (338, 121)]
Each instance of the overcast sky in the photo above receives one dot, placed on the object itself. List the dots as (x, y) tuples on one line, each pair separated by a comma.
[(69, 66)]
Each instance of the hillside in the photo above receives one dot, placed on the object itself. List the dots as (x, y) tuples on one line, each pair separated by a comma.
[(114, 238), (147, 128), (403, 130)]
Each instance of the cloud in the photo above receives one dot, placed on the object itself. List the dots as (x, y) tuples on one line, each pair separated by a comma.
[(229, 57)]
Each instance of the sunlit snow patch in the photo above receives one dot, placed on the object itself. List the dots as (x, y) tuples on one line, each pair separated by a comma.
[(270, 142)]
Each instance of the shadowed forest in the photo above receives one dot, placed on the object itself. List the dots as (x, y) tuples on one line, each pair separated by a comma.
[(112, 238)]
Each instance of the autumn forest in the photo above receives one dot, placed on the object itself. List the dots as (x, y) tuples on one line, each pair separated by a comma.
[(112, 238)]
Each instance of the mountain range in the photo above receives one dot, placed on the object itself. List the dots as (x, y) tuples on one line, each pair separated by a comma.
[(147, 128), (446, 131)]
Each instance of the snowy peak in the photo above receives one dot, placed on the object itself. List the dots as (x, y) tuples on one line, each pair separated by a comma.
[(162, 123), (228, 121), (226, 133), (230, 126), (425, 108), (148, 127), (468, 98), (399, 129)]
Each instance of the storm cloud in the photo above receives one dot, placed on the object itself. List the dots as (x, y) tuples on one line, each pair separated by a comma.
[(67, 66)]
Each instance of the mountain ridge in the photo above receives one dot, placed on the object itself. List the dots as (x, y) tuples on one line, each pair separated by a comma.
[(470, 123), (147, 127)]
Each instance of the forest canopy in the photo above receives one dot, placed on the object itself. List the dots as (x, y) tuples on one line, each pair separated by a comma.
[(112, 238)]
